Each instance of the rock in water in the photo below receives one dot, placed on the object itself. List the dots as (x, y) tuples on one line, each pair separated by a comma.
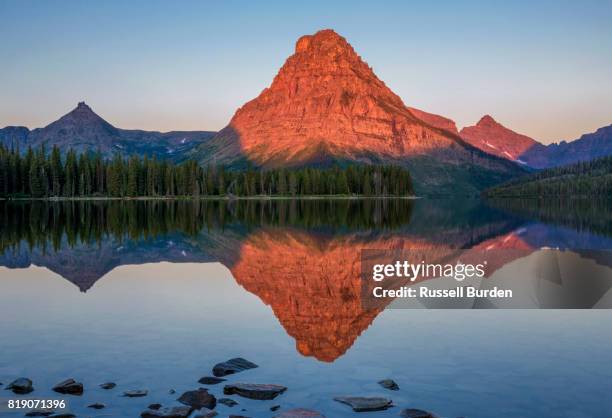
[(389, 384), (210, 380), (135, 393), (21, 386), (155, 406), (170, 412), (300, 413), (416, 413), (41, 412), (232, 366), (69, 387), (197, 399), (97, 405), (363, 404), (254, 391), (206, 413), (108, 385), (228, 402)]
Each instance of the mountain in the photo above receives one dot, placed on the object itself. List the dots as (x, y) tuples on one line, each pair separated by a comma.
[(586, 148), (14, 136), (435, 120), (495, 139), (83, 130), (326, 106)]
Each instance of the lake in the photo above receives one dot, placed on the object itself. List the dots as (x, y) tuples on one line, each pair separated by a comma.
[(152, 294)]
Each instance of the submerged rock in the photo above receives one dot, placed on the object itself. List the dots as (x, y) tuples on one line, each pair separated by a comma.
[(389, 384), (135, 393), (155, 406), (69, 387), (228, 402), (97, 405), (210, 380), (363, 404), (40, 412), (254, 391), (299, 413), (172, 391), (274, 408), (20, 386), (232, 366), (197, 399), (108, 385), (206, 413), (416, 413), (169, 412)]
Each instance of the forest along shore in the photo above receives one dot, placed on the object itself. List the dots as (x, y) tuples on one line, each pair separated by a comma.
[(43, 174)]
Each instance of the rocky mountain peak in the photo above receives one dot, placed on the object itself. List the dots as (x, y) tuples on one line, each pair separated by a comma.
[(326, 61), (83, 112), (326, 40), (494, 138), (487, 120)]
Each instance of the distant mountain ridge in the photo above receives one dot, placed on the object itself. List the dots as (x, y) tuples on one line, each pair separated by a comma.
[(84, 131), (586, 148), (494, 138)]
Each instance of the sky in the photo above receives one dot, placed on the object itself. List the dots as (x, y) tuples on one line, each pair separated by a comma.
[(542, 68)]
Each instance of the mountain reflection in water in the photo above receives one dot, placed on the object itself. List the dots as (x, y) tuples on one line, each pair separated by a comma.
[(300, 257)]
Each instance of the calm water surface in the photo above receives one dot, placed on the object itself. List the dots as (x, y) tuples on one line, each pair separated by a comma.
[(152, 294)]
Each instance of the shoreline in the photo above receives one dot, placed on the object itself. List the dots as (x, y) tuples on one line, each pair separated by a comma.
[(227, 198)]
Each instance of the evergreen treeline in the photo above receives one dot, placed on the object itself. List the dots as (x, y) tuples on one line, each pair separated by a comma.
[(41, 174), (585, 179)]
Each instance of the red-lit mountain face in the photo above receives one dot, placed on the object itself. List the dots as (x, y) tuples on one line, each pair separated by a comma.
[(326, 105), (494, 138)]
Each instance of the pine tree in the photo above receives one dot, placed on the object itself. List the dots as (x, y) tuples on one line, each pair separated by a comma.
[(57, 171), (70, 172), (132, 182), (36, 188)]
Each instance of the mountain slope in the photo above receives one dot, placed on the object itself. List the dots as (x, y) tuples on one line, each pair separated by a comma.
[(434, 120), (495, 139), (83, 130), (326, 106), (14, 136)]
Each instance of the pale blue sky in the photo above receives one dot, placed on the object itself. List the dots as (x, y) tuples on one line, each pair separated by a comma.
[(543, 69)]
